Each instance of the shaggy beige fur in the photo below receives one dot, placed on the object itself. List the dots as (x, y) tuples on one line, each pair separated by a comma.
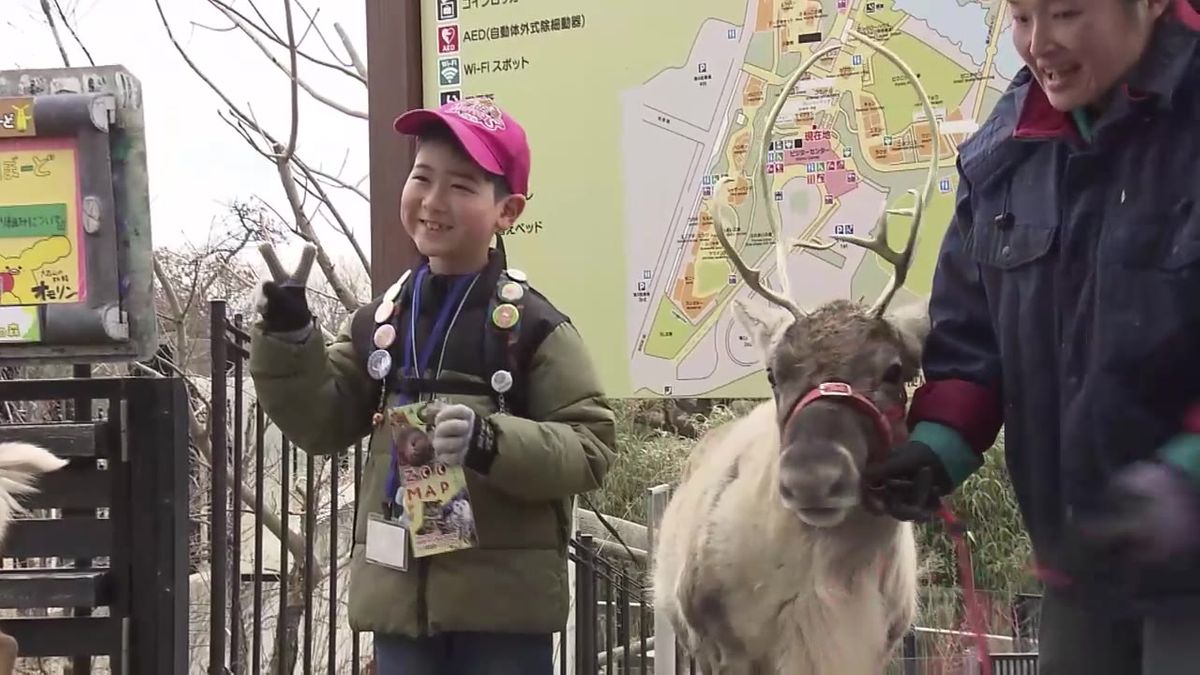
[(750, 588), (798, 600)]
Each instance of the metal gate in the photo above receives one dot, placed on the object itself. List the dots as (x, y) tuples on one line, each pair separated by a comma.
[(98, 571)]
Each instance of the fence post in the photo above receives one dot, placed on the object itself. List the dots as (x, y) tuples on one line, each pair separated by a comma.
[(585, 604), (218, 347), (564, 644), (664, 634)]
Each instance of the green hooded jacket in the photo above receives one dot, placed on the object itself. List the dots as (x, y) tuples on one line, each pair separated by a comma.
[(322, 398)]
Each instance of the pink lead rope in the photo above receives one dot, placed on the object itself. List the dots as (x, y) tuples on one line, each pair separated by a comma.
[(975, 618)]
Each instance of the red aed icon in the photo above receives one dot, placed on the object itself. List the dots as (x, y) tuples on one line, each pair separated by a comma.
[(447, 39)]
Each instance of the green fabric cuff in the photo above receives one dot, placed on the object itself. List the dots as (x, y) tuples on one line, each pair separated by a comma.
[(272, 356), (950, 447), (1183, 452)]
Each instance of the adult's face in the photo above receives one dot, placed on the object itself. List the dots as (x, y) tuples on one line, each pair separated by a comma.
[(1079, 49)]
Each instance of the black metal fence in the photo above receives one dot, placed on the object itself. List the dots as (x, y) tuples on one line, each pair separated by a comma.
[(93, 573), (278, 534)]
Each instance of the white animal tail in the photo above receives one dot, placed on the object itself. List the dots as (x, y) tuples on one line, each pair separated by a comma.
[(20, 465)]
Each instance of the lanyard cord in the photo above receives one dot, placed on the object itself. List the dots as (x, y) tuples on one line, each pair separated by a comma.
[(410, 352)]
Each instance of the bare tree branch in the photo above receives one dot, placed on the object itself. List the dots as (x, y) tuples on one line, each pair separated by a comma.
[(71, 30), (277, 152), (340, 289), (294, 78), (54, 29), (245, 28), (334, 181), (273, 37), (359, 65), (341, 222)]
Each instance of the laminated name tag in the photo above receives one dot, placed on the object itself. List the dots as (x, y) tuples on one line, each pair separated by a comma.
[(387, 543)]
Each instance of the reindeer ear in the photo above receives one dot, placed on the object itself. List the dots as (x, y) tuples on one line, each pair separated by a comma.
[(912, 323), (764, 322)]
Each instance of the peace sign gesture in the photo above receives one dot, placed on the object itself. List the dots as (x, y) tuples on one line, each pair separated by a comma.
[(284, 304)]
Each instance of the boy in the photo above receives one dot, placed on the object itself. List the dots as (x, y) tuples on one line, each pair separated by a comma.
[(518, 407)]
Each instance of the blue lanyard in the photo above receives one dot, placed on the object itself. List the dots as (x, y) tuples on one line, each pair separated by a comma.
[(406, 369), (439, 327)]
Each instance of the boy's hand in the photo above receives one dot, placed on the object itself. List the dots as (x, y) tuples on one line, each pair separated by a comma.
[(283, 302), (457, 432)]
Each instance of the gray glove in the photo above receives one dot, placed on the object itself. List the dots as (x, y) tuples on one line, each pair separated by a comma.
[(460, 437)]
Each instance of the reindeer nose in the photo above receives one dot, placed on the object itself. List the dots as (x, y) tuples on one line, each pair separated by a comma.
[(818, 477)]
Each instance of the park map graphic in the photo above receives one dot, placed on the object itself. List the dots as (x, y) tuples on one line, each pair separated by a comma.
[(628, 151)]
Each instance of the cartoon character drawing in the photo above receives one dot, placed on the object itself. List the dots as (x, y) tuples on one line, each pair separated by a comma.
[(14, 270)]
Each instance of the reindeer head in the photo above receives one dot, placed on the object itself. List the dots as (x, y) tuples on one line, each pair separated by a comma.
[(838, 374)]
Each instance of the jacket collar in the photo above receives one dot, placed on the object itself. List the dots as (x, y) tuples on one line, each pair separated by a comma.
[(435, 287), (1156, 77)]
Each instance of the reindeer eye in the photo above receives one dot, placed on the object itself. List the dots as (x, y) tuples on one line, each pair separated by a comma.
[(894, 374)]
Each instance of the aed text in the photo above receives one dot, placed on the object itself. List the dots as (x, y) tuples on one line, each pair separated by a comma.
[(552, 25)]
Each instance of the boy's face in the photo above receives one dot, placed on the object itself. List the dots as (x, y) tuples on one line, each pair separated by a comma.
[(450, 210)]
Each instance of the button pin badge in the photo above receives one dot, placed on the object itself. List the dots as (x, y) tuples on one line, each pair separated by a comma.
[(511, 291), (384, 311), (379, 363), (393, 291), (505, 316), (516, 275), (385, 335), (502, 381)]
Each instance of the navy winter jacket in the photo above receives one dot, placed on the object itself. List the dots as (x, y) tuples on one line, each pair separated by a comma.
[(1066, 303)]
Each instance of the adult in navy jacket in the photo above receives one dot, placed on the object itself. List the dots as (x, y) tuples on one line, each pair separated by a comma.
[(1066, 307)]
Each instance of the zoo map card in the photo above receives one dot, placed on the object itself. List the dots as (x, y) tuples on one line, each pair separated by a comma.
[(437, 509), (40, 261)]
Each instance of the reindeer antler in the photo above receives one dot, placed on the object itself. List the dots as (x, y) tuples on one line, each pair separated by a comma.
[(900, 260), (751, 276)]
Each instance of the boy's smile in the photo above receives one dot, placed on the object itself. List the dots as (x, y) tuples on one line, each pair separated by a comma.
[(449, 207)]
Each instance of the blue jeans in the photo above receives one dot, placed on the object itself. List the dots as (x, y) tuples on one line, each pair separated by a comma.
[(465, 654)]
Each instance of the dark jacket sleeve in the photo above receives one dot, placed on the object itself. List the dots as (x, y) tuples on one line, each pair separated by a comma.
[(961, 361)]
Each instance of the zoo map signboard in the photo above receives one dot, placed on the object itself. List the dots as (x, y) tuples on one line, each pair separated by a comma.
[(636, 109)]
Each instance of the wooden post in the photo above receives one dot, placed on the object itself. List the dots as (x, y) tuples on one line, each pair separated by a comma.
[(394, 69)]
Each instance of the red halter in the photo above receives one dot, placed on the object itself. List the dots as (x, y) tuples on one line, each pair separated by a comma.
[(889, 424)]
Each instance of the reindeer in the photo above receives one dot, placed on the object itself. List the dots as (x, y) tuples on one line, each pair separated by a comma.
[(769, 560), (20, 464)]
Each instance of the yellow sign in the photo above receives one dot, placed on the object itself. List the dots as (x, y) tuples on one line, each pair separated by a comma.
[(16, 117), (40, 261)]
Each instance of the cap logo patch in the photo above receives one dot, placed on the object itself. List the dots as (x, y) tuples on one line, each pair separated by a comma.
[(478, 110)]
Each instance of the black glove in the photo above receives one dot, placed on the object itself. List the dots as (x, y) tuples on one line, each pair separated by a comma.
[(908, 484), (284, 305)]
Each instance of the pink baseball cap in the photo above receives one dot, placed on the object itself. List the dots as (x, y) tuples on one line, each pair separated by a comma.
[(493, 138)]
